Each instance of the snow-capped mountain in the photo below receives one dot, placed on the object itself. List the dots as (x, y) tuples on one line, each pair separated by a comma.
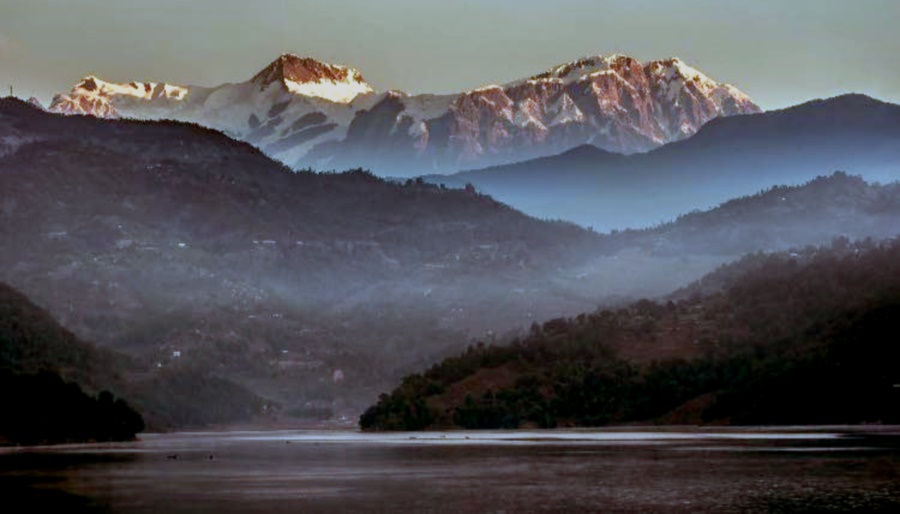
[(311, 114), (96, 97), (307, 77)]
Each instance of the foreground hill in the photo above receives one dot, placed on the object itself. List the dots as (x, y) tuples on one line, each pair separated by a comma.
[(307, 113), (38, 405), (37, 355), (727, 158), (804, 337), (199, 256)]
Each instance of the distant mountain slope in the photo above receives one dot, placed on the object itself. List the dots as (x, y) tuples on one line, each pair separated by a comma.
[(312, 114), (777, 219), (196, 253), (802, 338), (727, 158)]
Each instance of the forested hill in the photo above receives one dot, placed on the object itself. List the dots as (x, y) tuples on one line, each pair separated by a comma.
[(37, 355), (39, 406), (31, 341), (793, 338)]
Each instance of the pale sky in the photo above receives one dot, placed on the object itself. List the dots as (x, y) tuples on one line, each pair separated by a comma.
[(778, 52)]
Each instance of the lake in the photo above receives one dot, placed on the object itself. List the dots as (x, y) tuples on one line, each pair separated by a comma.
[(681, 469)]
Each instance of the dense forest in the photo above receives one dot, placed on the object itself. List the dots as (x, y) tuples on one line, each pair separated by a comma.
[(791, 338), (44, 409)]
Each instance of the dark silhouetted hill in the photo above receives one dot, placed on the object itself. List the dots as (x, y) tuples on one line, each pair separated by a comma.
[(38, 405), (37, 353)]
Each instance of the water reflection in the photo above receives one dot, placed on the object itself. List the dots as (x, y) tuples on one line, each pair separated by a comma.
[(617, 470)]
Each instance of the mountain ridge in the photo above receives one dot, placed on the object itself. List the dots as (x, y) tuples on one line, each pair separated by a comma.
[(728, 157), (329, 117)]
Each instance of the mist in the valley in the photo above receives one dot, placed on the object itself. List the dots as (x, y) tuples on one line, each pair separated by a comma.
[(304, 295)]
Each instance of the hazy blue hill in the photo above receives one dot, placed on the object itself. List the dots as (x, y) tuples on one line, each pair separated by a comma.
[(779, 218), (727, 158)]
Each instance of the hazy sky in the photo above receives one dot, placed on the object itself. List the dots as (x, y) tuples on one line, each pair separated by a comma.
[(778, 52)]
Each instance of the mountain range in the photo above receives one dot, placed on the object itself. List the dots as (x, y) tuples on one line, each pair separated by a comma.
[(310, 114), (728, 157), (215, 268)]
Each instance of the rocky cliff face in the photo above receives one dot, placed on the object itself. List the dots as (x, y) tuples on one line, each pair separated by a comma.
[(311, 114)]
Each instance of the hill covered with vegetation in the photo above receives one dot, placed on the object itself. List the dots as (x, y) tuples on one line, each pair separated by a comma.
[(39, 406), (34, 348), (802, 337)]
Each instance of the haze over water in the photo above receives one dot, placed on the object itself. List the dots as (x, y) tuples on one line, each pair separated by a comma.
[(613, 470)]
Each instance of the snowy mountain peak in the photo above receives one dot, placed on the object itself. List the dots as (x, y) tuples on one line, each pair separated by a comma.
[(674, 67), (585, 67), (94, 96), (89, 83), (675, 78), (591, 67), (306, 76), (308, 113), (141, 90)]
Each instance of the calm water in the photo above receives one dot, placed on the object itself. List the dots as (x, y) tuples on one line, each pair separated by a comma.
[(616, 470)]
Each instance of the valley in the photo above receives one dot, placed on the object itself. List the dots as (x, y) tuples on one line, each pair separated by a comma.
[(442, 257), (208, 266)]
